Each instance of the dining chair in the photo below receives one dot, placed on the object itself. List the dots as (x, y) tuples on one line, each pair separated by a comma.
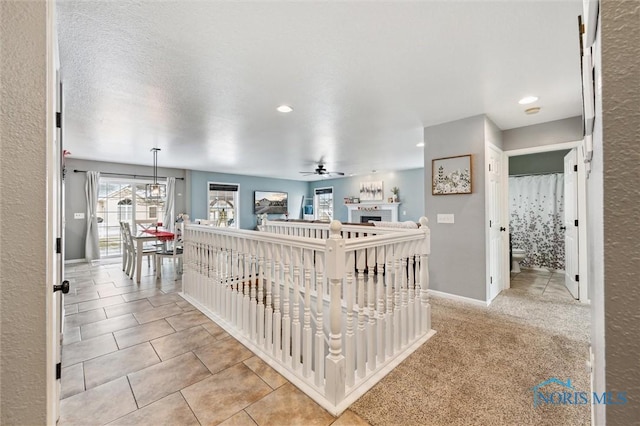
[(172, 250), (131, 251)]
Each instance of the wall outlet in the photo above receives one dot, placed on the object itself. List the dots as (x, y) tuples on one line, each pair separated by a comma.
[(78, 215), (404, 212), (446, 218)]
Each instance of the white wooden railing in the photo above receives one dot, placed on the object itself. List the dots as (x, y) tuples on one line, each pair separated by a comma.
[(332, 315)]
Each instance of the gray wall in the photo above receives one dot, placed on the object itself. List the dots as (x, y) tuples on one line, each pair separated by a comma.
[(248, 184), (410, 182), (23, 211), (458, 254), (621, 132), (75, 199), (595, 238), (492, 133), (566, 130), (542, 162)]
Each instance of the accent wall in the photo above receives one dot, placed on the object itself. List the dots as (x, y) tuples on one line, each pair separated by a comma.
[(248, 184)]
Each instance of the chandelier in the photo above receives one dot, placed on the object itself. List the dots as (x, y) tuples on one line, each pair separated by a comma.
[(155, 190)]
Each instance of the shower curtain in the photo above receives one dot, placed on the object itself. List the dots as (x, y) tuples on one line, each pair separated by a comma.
[(536, 207)]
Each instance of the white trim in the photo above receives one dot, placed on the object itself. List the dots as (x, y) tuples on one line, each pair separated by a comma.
[(503, 220), (463, 299), (373, 205), (583, 246), (52, 176), (73, 261), (543, 148), (582, 205), (315, 206)]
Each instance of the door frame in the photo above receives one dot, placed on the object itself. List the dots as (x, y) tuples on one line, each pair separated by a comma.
[(582, 205), (504, 207), (54, 174)]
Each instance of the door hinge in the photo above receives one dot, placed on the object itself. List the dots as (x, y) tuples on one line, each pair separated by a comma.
[(58, 370), (575, 222), (489, 167), (490, 280), (577, 278), (489, 224), (575, 167), (58, 245), (58, 120)]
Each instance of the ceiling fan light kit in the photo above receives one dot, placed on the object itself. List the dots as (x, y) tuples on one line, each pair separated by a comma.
[(321, 171)]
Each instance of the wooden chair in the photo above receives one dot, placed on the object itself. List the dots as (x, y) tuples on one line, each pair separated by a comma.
[(172, 250), (131, 253)]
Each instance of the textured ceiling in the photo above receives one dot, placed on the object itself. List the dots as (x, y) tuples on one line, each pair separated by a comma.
[(201, 80)]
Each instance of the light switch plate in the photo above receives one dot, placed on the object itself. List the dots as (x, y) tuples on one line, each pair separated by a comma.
[(446, 218), (78, 215)]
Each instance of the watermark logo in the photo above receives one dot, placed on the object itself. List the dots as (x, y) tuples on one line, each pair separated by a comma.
[(569, 395)]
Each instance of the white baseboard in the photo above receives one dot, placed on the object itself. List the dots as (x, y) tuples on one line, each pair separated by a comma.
[(72, 261), (443, 295)]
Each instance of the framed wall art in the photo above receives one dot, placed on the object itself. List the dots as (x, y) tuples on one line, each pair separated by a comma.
[(371, 191), (451, 175)]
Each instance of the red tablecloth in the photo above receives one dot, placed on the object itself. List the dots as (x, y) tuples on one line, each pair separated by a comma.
[(161, 235)]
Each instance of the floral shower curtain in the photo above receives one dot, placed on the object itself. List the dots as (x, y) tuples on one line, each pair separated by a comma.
[(536, 207)]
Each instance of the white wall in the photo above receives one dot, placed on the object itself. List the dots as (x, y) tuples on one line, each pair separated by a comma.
[(23, 213)]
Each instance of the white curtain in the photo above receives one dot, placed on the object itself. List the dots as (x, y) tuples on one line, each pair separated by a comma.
[(91, 247), (169, 207), (536, 207)]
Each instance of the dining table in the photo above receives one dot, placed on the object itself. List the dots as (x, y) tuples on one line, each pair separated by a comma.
[(145, 236)]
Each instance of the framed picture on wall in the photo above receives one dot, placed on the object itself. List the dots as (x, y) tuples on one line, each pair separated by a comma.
[(451, 175), (371, 191)]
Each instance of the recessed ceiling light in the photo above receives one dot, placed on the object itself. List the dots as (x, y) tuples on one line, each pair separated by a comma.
[(533, 110), (420, 144), (528, 100), (284, 108)]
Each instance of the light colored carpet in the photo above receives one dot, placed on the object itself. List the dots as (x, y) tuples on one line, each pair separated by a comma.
[(481, 365)]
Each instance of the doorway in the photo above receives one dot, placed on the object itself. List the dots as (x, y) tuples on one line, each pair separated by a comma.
[(545, 202)]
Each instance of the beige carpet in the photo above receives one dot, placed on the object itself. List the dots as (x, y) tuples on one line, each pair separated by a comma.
[(481, 365)]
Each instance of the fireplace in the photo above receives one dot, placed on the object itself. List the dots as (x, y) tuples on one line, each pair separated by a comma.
[(364, 212), (366, 219)]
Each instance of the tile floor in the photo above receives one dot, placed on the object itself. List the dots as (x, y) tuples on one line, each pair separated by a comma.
[(546, 284), (137, 354)]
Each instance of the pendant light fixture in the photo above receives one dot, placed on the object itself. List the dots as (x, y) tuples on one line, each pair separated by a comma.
[(155, 191)]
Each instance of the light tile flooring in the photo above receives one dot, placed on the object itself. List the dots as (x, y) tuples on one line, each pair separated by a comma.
[(542, 283), (138, 354)]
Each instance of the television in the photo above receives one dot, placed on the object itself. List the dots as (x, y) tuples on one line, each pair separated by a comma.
[(270, 202)]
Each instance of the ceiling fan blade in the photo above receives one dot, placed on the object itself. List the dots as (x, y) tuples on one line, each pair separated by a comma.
[(308, 173), (336, 173)]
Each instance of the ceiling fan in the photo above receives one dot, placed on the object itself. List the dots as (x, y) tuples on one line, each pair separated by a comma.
[(321, 171)]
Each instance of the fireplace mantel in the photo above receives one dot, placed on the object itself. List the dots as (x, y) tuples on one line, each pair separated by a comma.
[(371, 207)]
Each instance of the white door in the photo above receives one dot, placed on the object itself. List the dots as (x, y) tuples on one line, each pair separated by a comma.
[(570, 225), (497, 226), (55, 282)]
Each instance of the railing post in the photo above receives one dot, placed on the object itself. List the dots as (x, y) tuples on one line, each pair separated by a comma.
[(424, 276), (335, 362)]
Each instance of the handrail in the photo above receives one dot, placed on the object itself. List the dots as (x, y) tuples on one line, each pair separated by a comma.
[(333, 315)]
